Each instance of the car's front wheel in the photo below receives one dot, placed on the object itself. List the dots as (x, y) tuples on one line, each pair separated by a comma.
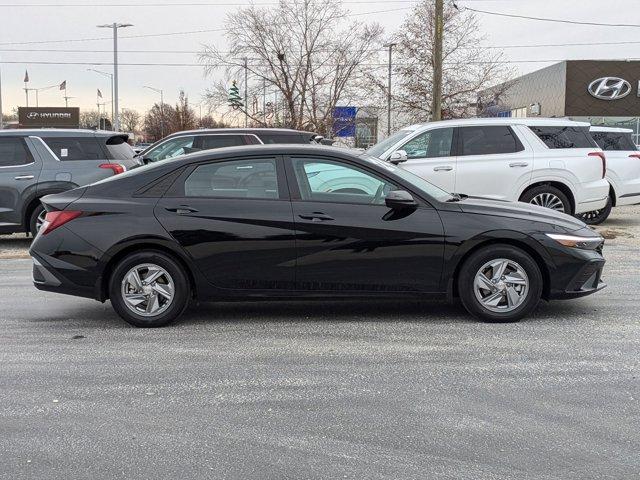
[(500, 283), (596, 217), (149, 289)]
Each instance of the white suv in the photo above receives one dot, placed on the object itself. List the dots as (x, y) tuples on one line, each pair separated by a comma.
[(623, 170), (545, 161)]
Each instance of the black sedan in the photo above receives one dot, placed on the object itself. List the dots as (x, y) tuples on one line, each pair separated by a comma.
[(303, 221)]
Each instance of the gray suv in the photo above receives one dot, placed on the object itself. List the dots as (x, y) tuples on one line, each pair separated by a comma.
[(34, 163)]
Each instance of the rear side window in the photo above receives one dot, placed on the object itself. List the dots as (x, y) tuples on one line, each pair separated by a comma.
[(565, 137), (209, 142), (269, 138), (75, 148), (483, 140), (255, 179), (614, 141), (14, 151), (119, 149)]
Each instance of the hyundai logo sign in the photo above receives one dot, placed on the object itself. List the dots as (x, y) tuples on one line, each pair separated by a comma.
[(609, 88)]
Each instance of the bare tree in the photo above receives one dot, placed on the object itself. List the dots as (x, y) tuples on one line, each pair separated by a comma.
[(209, 122), (468, 67), (159, 122), (130, 119), (302, 56), (184, 118), (90, 119)]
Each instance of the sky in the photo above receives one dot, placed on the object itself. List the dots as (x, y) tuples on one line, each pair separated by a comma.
[(55, 22)]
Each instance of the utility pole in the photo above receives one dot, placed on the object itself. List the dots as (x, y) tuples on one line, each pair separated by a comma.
[(390, 45), (115, 26), (1, 119), (436, 106), (246, 95)]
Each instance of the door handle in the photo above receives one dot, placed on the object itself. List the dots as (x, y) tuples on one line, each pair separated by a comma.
[(518, 164), (316, 216), (181, 210), (442, 168), (24, 177)]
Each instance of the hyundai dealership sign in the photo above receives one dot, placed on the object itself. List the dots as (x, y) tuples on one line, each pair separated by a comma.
[(609, 88), (42, 117)]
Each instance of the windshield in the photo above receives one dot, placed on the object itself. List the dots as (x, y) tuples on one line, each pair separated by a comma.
[(379, 148), (420, 183)]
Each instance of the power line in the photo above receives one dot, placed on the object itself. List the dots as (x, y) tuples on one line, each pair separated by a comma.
[(187, 4), (554, 20), (188, 32)]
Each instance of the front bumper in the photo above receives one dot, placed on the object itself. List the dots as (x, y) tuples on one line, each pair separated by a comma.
[(588, 280)]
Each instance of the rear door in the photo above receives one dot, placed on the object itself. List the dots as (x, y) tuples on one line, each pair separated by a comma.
[(430, 155), (233, 218), (19, 173), (491, 162), (349, 241)]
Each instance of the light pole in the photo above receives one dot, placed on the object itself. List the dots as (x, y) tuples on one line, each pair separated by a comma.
[(1, 119), (110, 75), (161, 107), (436, 105), (115, 26), (390, 46)]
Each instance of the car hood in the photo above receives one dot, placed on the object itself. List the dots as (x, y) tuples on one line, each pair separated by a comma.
[(521, 210)]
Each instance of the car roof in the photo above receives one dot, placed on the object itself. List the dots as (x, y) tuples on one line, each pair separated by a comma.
[(59, 132), (240, 130), (611, 129), (548, 122)]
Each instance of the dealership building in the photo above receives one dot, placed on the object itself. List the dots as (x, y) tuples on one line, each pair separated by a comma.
[(602, 92)]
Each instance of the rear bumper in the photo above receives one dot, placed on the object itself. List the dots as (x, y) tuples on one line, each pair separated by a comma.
[(628, 199), (592, 196), (48, 279)]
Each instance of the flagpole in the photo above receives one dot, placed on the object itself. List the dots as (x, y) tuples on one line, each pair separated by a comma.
[(26, 92), (66, 99)]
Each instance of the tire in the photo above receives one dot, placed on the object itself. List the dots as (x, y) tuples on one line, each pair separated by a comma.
[(548, 196), (596, 217), (528, 297), (34, 222), (148, 263)]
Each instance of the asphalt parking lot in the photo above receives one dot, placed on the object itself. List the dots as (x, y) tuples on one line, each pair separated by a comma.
[(322, 390)]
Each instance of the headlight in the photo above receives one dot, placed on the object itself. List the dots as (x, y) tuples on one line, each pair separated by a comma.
[(587, 243)]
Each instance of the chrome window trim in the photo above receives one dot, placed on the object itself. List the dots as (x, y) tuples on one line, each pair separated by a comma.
[(46, 146)]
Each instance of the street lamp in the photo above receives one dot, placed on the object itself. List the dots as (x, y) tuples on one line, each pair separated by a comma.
[(110, 75), (115, 26), (158, 90)]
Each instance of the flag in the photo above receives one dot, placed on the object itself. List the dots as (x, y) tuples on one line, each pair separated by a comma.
[(63, 85), (26, 76), (99, 94)]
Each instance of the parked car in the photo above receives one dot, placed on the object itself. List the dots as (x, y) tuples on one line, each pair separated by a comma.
[(182, 143), (549, 162), (252, 222), (34, 163), (623, 170), (140, 147)]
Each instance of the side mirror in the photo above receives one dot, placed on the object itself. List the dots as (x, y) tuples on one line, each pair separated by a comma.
[(398, 156), (399, 200)]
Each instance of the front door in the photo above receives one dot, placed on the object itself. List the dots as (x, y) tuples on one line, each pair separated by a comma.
[(19, 172), (430, 156), (349, 240), (234, 219)]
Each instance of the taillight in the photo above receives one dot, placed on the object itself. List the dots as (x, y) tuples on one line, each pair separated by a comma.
[(604, 161), (58, 218), (116, 167), (635, 155)]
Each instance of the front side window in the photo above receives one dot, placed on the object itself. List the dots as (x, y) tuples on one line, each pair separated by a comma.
[(565, 137), (209, 142), (75, 148), (14, 151), (337, 182), (483, 140), (614, 141), (255, 179), (430, 144), (379, 148), (171, 148)]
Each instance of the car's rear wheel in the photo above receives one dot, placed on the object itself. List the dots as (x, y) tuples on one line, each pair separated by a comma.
[(549, 197), (36, 219), (596, 217), (149, 289), (500, 283)]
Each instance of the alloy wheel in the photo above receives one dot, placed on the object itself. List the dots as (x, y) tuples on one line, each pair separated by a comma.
[(501, 285), (148, 290), (548, 200), (40, 220)]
